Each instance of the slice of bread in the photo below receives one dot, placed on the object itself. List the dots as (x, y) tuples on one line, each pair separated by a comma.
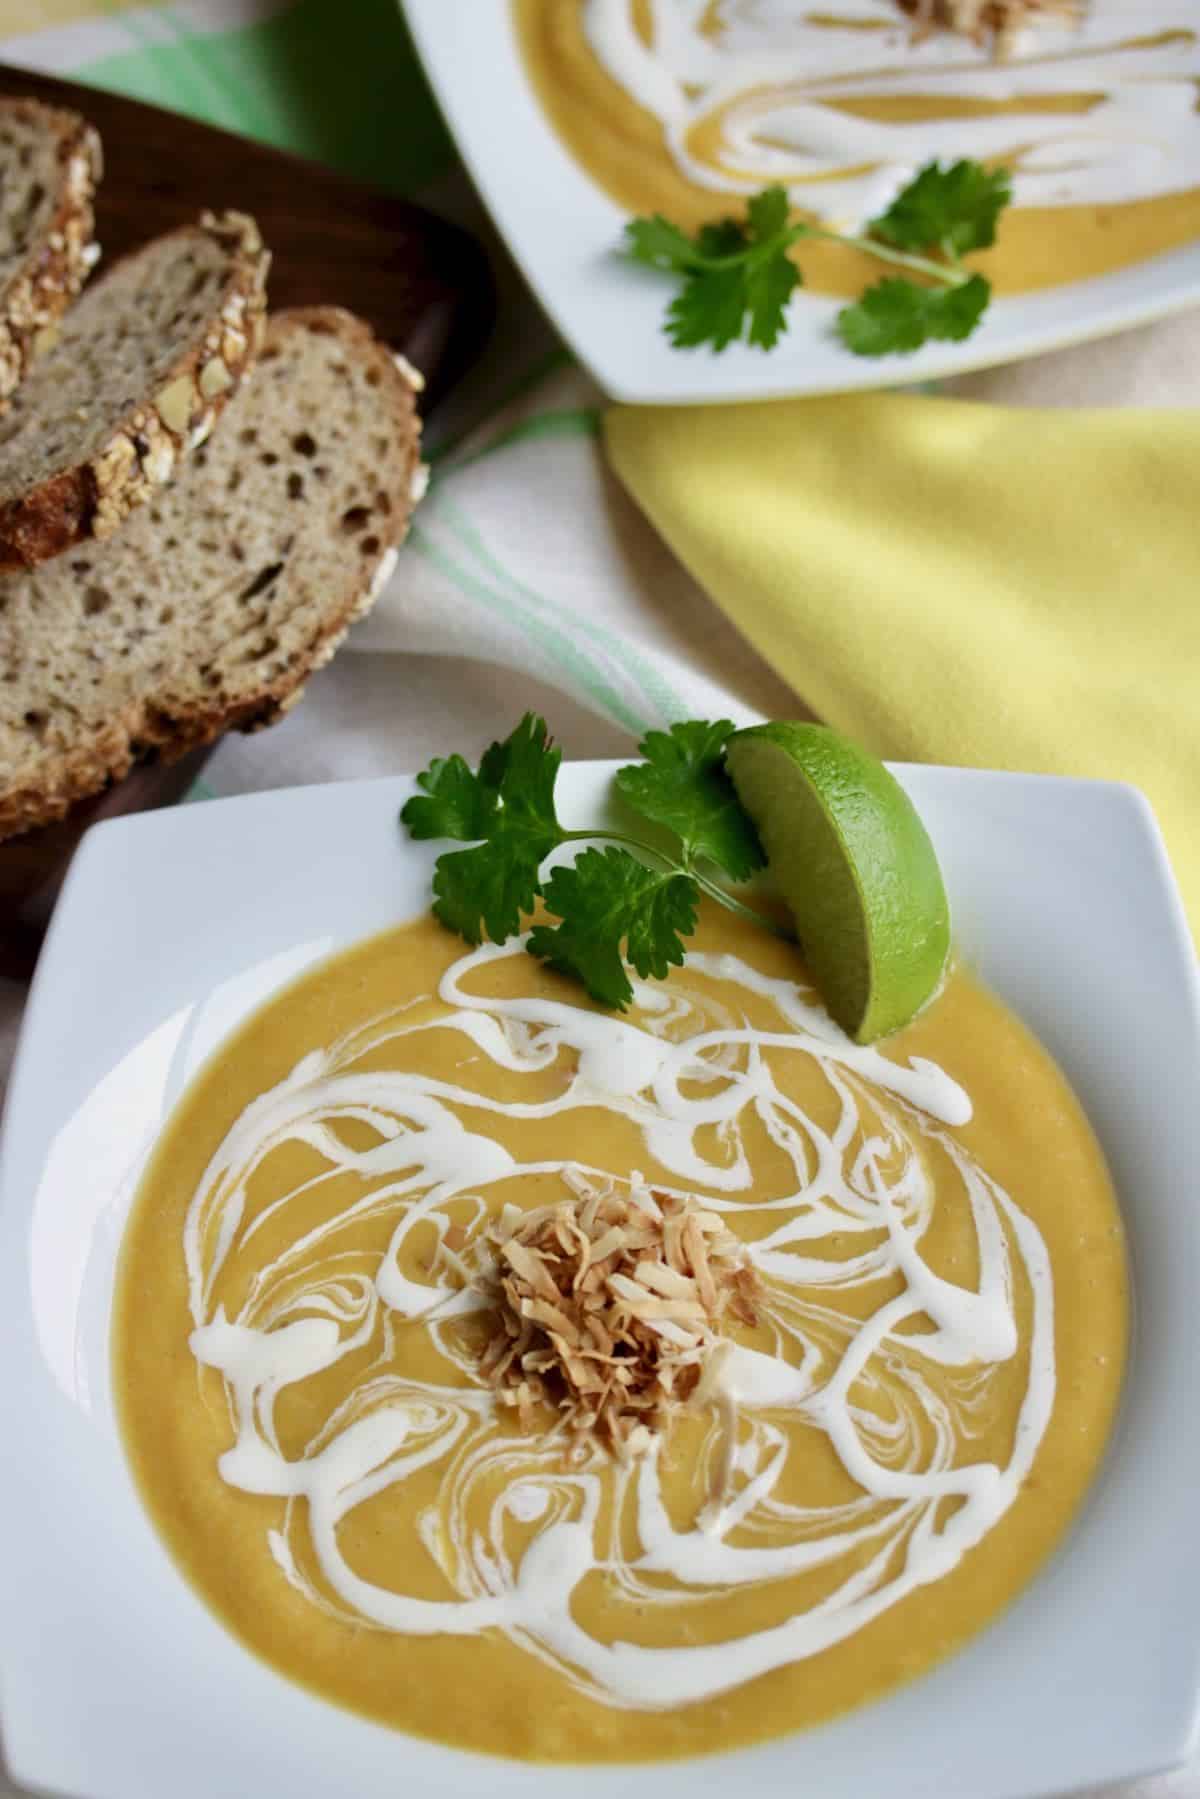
[(142, 365), (219, 598), (49, 165)]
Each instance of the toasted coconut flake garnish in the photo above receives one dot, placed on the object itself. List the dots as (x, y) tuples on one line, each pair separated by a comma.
[(997, 22), (606, 1308)]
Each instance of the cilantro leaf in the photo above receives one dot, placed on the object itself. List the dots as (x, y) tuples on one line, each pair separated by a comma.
[(682, 784), (509, 805), (769, 285), (724, 237), (709, 310), (608, 900), (738, 277), (955, 208), (486, 888), (661, 245), (767, 214), (456, 803), (896, 317), (608, 908)]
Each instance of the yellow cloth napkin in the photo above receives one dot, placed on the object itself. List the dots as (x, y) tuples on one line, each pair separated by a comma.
[(954, 582)]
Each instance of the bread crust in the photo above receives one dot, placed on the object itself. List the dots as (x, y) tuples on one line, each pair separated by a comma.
[(92, 498), (152, 726), (57, 264)]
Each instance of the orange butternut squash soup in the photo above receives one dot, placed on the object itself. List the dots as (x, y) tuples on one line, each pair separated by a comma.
[(686, 109), (586, 1387)]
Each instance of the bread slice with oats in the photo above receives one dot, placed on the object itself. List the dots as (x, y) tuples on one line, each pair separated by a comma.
[(50, 163), (143, 363), (216, 601)]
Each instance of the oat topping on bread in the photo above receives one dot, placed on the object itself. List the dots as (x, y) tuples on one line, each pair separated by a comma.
[(141, 366), (218, 598), (50, 163)]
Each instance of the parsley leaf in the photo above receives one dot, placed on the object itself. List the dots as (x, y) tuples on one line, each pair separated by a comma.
[(682, 784), (896, 317), (738, 277), (509, 804), (607, 900), (954, 208)]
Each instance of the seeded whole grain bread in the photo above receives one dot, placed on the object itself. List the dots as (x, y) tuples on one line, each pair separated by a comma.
[(50, 163), (142, 364), (218, 599)]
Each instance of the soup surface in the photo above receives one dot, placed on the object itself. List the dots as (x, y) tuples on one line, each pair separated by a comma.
[(683, 106), (870, 1472)]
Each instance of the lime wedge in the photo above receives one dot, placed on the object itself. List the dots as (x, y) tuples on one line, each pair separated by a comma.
[(856, 867)]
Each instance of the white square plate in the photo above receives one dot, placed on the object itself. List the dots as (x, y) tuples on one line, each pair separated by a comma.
[(117, 1683), (563, 230)]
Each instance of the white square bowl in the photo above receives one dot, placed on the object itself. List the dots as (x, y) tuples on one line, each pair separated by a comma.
[(563, 230), (117, 1683)]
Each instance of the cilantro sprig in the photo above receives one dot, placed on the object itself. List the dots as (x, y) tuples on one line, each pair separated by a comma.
[(633, 901), (506, 809), (682, 785), (738, 275), (612, 909)]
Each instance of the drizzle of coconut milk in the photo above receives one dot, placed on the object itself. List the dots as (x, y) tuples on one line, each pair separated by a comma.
[(767, 73), (679, 1064)]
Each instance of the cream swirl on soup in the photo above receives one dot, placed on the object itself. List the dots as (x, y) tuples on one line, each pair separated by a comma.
[(862, 1343), (756, 91)]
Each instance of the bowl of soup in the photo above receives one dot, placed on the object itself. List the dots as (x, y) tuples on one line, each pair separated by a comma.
[(635, 107), (309, 1205)]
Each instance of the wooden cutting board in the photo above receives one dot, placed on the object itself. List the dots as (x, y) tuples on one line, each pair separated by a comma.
[(423, 284)]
